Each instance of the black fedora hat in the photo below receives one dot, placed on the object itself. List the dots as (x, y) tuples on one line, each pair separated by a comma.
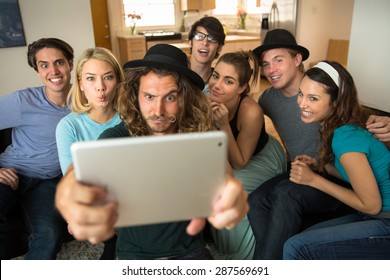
[(167, 57), (280, 38)]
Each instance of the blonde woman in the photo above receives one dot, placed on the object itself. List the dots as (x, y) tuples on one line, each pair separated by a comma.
[(92, 100)]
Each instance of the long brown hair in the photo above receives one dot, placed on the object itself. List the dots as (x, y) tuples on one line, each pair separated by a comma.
[(195, 110), (241, 61), (345, 103)]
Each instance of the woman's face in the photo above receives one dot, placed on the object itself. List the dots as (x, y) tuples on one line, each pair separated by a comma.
[(224, 83), (98, 82), (313, 101)]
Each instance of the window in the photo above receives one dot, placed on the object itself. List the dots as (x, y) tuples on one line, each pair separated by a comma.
[(223, 7), (153, 12)]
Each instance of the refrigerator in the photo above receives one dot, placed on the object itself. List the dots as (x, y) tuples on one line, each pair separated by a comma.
[(278, 14)]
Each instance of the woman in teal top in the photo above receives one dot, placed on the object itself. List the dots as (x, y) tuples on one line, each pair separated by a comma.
[(328, 95), (92, 100)]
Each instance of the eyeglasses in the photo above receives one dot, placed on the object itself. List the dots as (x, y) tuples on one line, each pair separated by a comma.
[(199, 36)]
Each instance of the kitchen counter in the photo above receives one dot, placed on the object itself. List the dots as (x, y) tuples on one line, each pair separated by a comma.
[(240, 38), (135, 46)]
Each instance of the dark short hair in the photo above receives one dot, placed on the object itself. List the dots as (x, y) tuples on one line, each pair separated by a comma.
[(54, 43), (213, 27)]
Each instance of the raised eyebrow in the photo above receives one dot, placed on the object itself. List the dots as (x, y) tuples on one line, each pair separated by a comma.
[(173, 91), (47, 62), (59, 60)]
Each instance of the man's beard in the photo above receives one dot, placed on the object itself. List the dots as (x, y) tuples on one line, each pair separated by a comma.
[(162, 127)]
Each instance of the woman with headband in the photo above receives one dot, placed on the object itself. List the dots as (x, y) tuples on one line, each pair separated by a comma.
[(328, 95)]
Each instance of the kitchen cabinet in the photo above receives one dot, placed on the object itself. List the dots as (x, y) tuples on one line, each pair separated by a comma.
[(188, 5), (235, 43), (132, 47)]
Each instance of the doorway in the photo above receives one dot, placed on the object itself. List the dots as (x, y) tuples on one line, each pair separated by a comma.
[(101, 26)]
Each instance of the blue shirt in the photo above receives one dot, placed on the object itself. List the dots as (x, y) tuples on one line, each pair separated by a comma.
[(33, 119), (78, 127), (351, 138)]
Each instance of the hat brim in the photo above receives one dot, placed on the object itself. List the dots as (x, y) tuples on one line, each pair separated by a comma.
[(191, 75), (262, 48)]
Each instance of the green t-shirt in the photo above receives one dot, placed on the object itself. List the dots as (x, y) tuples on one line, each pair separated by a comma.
[(152, 241)]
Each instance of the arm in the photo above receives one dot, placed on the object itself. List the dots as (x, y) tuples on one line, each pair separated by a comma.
[(90, 214), (9, 176), (10, 106), (250, 122), (380, 127), (364, 196), (65, 137)]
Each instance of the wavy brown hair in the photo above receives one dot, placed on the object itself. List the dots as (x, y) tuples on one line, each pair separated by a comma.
[(195, 110), (345, 103)]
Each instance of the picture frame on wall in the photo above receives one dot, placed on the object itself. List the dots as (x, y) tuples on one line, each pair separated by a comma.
[(11, 25)]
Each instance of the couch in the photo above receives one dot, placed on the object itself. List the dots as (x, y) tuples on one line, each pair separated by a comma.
[(16, 229)]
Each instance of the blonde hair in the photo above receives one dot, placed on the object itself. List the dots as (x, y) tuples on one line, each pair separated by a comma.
[(76, 99)]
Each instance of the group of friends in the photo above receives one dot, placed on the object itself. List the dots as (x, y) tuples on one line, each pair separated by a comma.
[(334, 156)]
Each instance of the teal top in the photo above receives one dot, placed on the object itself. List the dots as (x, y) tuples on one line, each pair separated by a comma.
[(352, 138), (75, 128), (152, 241)]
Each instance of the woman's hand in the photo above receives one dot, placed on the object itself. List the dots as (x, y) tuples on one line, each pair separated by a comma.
[(220, 115), (9, 176), (301, 173), (310, 161)]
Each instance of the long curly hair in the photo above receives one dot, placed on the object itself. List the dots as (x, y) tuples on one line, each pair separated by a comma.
[(345, 103), (195, 110)]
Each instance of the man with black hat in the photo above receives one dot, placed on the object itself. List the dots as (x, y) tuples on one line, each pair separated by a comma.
[(282, 61), (160, 95), (277, 207)]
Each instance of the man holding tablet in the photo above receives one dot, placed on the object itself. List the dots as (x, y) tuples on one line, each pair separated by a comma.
[(161, 95)]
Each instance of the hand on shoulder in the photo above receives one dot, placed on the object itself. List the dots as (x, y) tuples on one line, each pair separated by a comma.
[(380, 127)]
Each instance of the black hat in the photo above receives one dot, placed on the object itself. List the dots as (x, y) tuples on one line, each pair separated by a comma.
[(167, 57), (280, 38)]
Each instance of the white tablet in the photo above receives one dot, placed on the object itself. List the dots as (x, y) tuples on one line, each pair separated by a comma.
[(156, 179)]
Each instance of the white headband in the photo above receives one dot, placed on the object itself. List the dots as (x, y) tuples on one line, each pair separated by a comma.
[(330, 71)]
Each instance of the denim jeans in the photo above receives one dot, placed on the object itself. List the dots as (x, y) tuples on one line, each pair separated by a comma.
[(276, 213), (353, 237), (45, 226)]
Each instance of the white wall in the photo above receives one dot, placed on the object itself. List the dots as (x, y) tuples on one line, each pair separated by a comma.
[(321, 20), (368, 57), (68, 20)]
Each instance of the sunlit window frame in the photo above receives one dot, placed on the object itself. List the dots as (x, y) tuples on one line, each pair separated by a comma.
[(141, 24)]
